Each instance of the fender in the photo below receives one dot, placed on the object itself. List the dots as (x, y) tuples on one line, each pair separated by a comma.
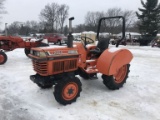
[(111, 60)]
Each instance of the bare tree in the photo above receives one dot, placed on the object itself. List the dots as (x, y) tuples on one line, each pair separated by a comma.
[(79, 28), (91, 20), (112, 25), (134, 27), (2, 7), (23, 28), (42, 27), (62, 15), (130, 18), (49, 15), (2, 11), (14, 28), (33, 26), (115, 24)]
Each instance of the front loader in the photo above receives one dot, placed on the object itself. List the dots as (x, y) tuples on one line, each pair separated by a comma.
[(60, 65)]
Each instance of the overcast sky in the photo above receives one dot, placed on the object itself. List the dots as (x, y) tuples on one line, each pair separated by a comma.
[(23, 10)]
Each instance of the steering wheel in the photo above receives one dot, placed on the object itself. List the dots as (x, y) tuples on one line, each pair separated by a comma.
[(86, 40)]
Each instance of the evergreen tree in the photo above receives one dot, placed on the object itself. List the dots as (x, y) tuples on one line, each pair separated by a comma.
[(149, 17)]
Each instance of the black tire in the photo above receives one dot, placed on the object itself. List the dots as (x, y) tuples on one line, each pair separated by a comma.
[(44, 86), (67, 91), (27, 51), (112, 82), (3, 58)]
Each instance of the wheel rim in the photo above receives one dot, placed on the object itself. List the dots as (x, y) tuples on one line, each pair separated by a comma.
[(70, 91), (121, 74), (1, 58)]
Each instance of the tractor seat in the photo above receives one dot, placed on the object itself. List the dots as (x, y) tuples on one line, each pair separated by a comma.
[(101, 46)]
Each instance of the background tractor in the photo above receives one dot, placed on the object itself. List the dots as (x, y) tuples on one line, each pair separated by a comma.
[(9, 43), (59, 65)]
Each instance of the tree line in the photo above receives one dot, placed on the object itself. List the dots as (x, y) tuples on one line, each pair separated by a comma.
[(2, 11), (52, 19), (112, 25)]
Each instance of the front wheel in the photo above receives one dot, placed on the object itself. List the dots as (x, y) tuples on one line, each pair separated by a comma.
[(67, 91), (117, 80), (3, 57)]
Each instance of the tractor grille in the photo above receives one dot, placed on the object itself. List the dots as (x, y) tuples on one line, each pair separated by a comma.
[(58, 66), (40, 67), (55, 67), (64, 66), (70, 64)]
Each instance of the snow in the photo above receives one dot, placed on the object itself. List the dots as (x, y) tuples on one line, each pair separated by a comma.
[(112, 50), (21, 99), (88, 32)]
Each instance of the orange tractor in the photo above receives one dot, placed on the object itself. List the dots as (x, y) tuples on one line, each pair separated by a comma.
[(9, 43), (59, 65)]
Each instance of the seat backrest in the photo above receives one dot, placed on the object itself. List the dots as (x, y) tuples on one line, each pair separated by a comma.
[(103, 44)]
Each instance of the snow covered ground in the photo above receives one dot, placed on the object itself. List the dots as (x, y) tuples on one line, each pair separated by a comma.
[(139, 99)]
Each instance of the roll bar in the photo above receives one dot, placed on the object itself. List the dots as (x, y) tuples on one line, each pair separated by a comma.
[(115, 17)]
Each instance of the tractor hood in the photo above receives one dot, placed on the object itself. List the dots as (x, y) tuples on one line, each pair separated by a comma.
[(53, 53)]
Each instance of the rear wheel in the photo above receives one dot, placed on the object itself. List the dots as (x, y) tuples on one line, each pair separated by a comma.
[(3, 57), (67, 91), (117, 80)]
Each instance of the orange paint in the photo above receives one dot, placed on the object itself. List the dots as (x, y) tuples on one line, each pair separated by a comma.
[(110, 62), (70, 91), (60, 60)]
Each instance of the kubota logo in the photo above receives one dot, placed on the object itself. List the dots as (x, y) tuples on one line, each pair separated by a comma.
[(58, 52)]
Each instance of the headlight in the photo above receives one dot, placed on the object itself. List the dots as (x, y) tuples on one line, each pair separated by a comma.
[(42, 54), (31, 52), (39, 54)]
